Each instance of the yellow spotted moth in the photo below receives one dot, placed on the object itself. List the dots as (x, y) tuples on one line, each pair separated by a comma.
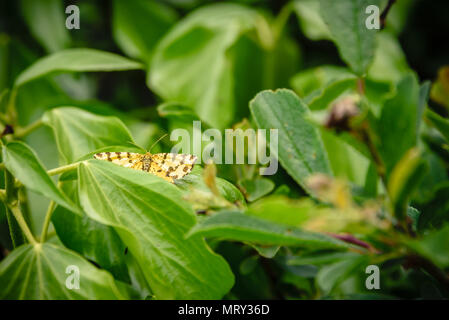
[(169, 166)]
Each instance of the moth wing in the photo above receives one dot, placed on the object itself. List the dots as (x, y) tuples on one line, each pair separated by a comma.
[(125, 159), (172, 166)]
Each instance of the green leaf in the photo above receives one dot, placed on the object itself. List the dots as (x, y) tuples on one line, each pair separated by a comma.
[(397, 127), (434, 246), (46, 22), (346, 22), (281, 209), (172, 110), (236, 226), (95, 241), (404, 179), (346, 161), (442, 124), (301, 151), (310, 20), (76, 60), (23, 163), (195, 181), (78, 132), (440, 88), (319, 258), (151, 217), (330, 276), (318, 83), (389, 62), (424, 90), (212, 61), (257, 188), (39, 273), (266, 251), (435, 212), (138, 25)]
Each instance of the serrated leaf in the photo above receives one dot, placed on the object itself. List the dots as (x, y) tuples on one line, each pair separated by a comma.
[(23, 163), (76, 60), (346, 22), (151, 218), (237, 226), (38, 272), (301, 151)]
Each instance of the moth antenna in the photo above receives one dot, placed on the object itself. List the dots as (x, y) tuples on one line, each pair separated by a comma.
[(157, 141)]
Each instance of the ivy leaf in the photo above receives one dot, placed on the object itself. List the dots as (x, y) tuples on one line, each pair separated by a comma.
[(23, 163), (75, 60), (78, 132), (151, 217), (346, 22), (38, 272), (301, 150), (236, 226)]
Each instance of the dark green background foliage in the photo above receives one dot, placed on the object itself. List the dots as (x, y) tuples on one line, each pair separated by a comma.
[(362, 117)]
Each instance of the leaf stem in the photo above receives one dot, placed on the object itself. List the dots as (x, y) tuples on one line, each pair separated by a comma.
[(383, 16), (281, 20), (22, 132), (22, 223), (62, 169), (51, 208), (11, 108), (11, 201)]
